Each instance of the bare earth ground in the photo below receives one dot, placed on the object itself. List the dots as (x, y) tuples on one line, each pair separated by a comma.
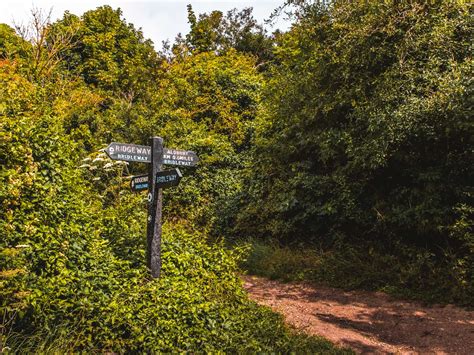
[(368, 322)]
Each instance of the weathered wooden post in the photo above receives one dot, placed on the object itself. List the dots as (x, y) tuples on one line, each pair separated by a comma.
[(155, 197), (154, 182)]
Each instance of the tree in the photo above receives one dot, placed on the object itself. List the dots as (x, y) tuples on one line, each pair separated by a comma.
[(366, 131), (12, 46), (34, 46), (207, 102), (111, 54), (238, 30)]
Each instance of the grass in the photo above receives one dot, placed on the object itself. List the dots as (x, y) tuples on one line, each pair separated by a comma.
[(63, 341), (272, 334), (403, 272)]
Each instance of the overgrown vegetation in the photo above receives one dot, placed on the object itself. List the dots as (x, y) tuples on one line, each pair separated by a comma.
[(348, 139), (397, 269), (73, 274), (364, 145)]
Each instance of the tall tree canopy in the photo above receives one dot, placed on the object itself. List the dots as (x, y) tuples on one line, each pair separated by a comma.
[(110, 53), (72, 236), (367, 129), (238, 30)]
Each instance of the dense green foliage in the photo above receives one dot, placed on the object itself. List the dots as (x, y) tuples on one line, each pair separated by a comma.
[(366, 139), (109, 53), (342, 147), (408, 273), (73, 275), (215, 32)]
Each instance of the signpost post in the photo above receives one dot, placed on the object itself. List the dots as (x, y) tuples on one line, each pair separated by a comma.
[(155, 195), (156, 155)]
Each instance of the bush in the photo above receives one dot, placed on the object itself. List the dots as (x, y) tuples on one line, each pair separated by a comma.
[(73, 275), (366, 137), (106, 304)]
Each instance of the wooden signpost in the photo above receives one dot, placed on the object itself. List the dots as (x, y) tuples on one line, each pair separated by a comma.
[(168, 178), (139, 183), (156, 155), (142, 153), (164, 179)]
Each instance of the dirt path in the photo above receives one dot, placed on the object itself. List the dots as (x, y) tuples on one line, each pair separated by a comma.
[(367, 322)]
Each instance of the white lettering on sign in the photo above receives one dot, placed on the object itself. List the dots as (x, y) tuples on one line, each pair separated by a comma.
[(167, 178), (142, 186), (138, 180), (142, 154), (178, 157), (132, 157), (177, 162), (130, 149), (177, 152)]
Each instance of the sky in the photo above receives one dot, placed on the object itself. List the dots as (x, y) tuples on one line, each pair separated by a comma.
[(158, 19)]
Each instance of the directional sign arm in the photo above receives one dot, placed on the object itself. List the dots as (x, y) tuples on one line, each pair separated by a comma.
[(168, 178), (142, 153), (179, 157), (129, 152), (139, 183), (163, 179)]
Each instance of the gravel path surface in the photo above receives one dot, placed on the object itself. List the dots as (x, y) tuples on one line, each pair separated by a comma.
[(368, 322)]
